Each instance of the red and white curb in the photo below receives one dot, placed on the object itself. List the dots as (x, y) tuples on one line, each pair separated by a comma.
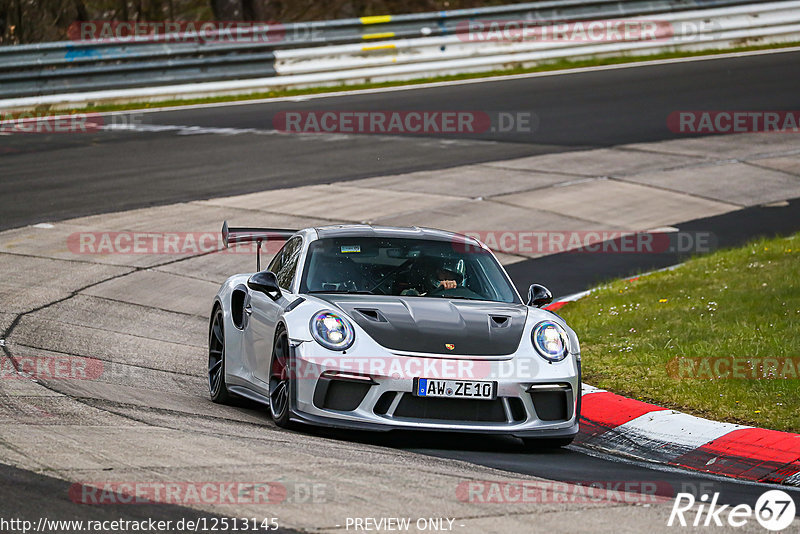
[(628, 427), (553, 306), (618, 425)]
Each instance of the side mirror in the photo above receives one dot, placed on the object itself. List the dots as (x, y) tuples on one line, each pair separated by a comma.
[(539, 296), (267, 283)]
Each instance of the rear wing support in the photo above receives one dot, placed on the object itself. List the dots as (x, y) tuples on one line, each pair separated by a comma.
[(232, 236)]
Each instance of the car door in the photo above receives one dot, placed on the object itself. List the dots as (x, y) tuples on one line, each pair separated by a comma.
[(266, 312)]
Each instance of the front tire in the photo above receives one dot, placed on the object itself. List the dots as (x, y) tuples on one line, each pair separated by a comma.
[(281, 384), (217, 387)]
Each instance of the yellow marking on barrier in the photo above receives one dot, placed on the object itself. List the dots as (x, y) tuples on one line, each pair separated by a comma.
[(377, 19), (377, 47), (384, 35)]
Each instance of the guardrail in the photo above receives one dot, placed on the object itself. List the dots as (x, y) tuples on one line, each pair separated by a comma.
[(368, 49)]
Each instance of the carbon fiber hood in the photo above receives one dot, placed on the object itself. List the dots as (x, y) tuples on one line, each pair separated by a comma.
[(432, 325)]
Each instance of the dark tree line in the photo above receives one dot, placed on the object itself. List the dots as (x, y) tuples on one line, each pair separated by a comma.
[(32, 21)]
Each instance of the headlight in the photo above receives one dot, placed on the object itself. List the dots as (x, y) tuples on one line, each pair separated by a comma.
[(550, 341), (332, 331)]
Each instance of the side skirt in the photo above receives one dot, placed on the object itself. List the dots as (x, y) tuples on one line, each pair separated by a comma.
[(249, 394)]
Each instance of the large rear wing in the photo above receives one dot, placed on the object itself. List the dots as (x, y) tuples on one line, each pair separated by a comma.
[(231, 236)]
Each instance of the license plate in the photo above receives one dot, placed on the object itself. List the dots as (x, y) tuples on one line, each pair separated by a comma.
[(455, 389)]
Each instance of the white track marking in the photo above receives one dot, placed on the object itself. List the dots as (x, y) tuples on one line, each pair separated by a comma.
[(681, 430), (573, 297), (586, 389)]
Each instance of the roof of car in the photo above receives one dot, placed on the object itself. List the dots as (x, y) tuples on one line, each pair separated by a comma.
[(410, 232)]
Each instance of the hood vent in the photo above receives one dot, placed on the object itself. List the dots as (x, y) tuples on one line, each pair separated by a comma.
[(499, 321), (372, 315)]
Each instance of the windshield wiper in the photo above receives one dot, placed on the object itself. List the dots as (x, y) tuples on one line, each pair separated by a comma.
[(458, 297), (343, 292)]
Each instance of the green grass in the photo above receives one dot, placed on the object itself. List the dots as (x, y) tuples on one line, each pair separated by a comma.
[(544, 67), (741, 303)]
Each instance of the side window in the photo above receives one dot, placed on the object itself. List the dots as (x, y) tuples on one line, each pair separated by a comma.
[(287, 260), (277, 261)]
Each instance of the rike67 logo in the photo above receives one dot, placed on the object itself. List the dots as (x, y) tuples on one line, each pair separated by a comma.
[(774, 510)]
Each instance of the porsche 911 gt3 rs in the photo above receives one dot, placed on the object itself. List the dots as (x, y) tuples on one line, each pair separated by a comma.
[(381, 328)]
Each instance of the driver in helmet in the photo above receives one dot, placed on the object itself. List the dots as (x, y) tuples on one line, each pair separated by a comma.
[(435, 274), (446, 279)]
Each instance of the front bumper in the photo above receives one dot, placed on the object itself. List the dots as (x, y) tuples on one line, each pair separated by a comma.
[(535, 398)]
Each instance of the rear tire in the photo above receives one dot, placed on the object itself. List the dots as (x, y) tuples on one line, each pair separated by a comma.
[(544, 444), (217, 387), (281, 384)]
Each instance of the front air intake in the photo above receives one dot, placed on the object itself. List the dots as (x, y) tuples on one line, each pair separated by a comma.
[(466, 410), (551, 405), (340, 395)]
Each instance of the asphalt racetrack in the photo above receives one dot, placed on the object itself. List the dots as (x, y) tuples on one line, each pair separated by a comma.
[(111, 171)]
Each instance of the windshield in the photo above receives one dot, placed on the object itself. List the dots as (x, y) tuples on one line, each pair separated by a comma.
[(404, 267)]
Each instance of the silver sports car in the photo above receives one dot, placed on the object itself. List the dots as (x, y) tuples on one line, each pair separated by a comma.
[(381, 328)]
